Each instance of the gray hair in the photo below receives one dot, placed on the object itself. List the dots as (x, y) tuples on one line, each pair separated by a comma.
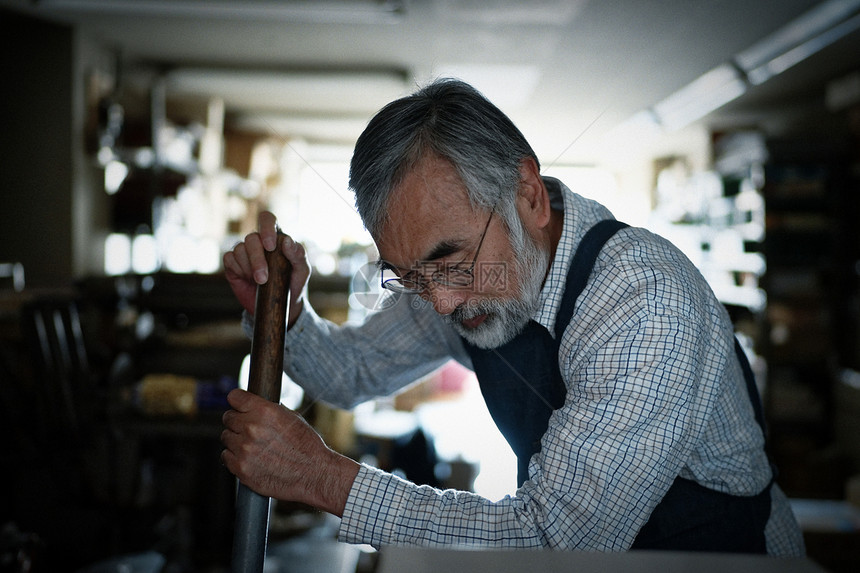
[(456, 122)]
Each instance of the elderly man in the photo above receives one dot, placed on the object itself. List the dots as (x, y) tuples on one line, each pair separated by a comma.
[(603, 356)]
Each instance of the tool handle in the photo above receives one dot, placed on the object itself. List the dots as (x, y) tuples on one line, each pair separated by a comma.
[(264, 379), (270, 326)]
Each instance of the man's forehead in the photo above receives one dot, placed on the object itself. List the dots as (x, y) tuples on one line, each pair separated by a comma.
[(430, 189), (408, 246), (422, 216), (433, 182)]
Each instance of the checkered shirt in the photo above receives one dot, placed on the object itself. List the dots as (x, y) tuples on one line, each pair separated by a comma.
[(654, 391)]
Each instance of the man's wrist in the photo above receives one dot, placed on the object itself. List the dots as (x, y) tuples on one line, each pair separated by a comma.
[(334, 483)]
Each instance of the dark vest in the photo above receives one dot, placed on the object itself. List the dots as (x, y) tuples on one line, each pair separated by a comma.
[(522, 386)]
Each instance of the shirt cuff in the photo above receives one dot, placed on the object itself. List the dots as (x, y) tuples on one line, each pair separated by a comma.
[(373, 508), (307, 318)]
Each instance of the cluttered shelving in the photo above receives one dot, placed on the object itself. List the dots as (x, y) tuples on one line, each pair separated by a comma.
[(807, 329)]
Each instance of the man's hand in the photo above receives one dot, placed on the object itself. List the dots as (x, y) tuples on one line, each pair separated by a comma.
[(245, 266), (276, 453)]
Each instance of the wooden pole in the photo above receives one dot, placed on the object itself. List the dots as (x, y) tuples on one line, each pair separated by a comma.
[(264, 379)]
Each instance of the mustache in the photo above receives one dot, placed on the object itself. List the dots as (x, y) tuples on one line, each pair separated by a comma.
[(473, 308)]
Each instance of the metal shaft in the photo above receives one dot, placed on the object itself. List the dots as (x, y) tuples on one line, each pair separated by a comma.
[(251, 530)]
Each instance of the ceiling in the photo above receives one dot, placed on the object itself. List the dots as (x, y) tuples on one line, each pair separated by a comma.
[(567, 72)]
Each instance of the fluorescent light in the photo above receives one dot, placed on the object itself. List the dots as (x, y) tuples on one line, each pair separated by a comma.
[(300, 91), (702, 96), (756, 59), (796, 55), (811, 32), (324, 11), (314, 128)]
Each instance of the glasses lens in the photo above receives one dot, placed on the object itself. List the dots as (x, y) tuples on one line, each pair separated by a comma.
[(454, 277), (393, 282)]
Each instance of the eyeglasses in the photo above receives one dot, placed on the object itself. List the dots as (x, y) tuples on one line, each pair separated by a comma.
[(414, 282)]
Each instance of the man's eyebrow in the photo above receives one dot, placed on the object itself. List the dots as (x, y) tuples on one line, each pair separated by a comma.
[(443, 249), (439, 251)]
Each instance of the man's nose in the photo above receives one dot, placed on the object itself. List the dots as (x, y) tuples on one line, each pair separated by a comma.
[(445, 299)]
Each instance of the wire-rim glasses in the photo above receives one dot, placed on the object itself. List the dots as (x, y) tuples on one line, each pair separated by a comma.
[(414, 282)]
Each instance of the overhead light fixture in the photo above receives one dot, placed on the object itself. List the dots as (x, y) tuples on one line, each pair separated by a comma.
[(319, 105), (297, 91), (801, 38), (308, 11), (788, 46), (316, 128), (792, 57), (700, 97)]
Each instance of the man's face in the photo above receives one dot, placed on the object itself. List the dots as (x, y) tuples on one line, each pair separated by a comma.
[(433, 227)]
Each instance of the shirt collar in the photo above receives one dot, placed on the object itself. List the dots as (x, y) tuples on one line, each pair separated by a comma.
[(579, 215)]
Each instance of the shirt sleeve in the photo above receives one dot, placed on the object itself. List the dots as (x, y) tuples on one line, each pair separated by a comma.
[(349, 364), (605, 462), (383, 509), (639, 398)]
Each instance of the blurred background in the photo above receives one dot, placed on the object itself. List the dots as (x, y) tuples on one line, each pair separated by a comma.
[(141, 138)]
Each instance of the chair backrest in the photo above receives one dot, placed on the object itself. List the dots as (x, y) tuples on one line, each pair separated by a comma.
[(61, 366)]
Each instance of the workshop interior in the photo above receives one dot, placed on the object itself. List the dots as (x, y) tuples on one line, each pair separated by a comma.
[(142, 138)]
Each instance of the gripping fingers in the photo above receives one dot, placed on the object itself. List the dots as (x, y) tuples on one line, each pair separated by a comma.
[(236, 261), (228, 457), (254, 256), (267, 225)]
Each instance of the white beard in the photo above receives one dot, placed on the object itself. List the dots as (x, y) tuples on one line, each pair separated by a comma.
[(506, 318)]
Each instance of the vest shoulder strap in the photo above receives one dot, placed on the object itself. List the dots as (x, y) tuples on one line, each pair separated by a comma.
[(580, 268)]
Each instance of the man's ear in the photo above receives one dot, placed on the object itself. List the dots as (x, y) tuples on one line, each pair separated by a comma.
[(532, 197)]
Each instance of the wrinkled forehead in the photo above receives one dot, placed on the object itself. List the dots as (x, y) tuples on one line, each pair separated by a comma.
[(429, 205)]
